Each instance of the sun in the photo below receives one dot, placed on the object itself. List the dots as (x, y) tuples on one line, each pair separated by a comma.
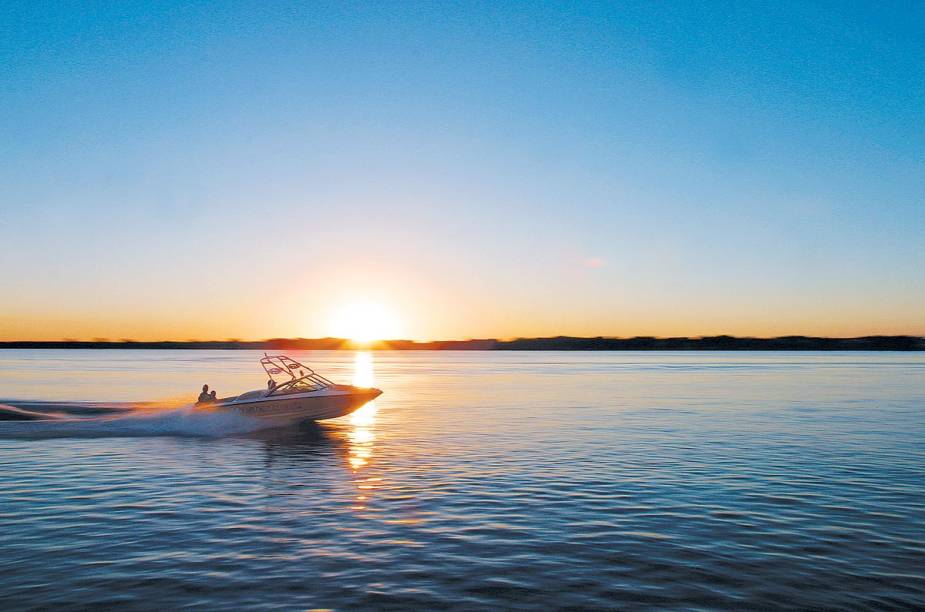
[(365, 322)]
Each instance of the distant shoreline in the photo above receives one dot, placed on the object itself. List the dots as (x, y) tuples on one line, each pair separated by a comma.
[(558, 343)]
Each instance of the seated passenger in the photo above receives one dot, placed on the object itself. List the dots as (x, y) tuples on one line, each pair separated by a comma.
[(271, 384), (212, 397), (204, 396)]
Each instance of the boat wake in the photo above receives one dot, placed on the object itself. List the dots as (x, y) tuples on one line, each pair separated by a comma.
[(33, 419)]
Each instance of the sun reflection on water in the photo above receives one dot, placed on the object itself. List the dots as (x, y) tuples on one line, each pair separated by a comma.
[(364, 376), (362, 435)]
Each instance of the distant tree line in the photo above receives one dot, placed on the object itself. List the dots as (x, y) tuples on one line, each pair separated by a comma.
[(558, 343)]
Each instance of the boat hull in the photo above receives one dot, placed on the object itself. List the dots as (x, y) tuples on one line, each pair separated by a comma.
[(286, 410)]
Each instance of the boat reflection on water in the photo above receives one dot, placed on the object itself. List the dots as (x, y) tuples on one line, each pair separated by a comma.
[(300, 444)]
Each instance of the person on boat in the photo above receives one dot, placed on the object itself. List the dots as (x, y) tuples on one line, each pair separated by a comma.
[(271, 384), (212, 397), (204, 396)]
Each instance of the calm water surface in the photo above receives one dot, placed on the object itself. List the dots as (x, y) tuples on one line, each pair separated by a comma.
[(478, 480)]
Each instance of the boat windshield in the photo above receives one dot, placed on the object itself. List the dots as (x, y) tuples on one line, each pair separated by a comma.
[(290, 376)]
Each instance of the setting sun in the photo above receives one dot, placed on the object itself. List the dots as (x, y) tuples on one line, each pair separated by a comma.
[(365, 322)]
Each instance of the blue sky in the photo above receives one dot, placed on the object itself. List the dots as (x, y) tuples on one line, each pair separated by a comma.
[(481, 169)]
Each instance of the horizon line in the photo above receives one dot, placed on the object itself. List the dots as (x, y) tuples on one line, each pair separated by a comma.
[(713, 342)]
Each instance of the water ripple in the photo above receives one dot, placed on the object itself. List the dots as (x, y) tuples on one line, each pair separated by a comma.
[(495, 481)]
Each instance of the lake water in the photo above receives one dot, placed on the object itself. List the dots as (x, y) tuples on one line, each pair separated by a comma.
[(478, 480)]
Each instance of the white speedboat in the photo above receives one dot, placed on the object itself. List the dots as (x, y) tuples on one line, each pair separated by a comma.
[(294, 393)]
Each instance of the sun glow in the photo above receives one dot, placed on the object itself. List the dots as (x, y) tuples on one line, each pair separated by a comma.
[(365, 322)]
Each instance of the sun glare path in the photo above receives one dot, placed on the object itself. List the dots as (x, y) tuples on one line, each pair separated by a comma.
[(362, 436), (363, 376)]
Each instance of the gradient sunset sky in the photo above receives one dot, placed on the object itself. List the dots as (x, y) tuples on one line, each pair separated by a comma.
[(496, 169)]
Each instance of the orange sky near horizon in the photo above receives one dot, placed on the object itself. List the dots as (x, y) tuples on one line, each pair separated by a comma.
[(419, 301), (413, 320)]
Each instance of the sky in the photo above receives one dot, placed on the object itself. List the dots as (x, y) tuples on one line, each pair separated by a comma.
[(463, 169)]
